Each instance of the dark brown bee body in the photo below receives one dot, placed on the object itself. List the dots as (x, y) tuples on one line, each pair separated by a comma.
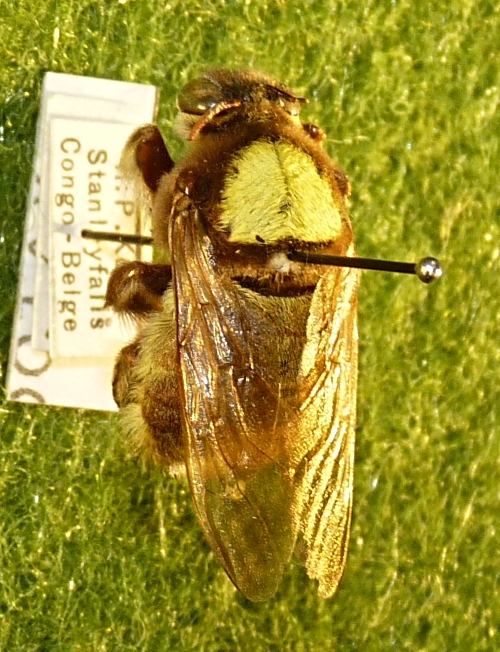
[(244, 366)]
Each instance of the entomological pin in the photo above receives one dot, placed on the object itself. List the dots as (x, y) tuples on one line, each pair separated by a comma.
[(244, 367)]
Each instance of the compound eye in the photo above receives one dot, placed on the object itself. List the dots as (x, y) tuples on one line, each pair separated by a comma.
[(199, 96)]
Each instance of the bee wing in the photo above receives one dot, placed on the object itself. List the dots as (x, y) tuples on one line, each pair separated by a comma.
[(328, 390), (236, 427)]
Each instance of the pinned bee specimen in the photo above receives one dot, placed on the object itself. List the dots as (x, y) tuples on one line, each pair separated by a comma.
[(244, 368)]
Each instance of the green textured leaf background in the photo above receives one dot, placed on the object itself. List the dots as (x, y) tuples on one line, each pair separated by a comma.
[(110, 557)]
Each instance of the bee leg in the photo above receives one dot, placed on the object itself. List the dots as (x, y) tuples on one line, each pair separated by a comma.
[(145, 384), (123, 373), (137, 289), (146, 389), (151, 155)]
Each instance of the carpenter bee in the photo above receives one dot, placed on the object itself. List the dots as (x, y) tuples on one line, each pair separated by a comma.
[(245, 364)]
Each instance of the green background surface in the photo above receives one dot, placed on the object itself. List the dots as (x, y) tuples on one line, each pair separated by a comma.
[(110, 557)]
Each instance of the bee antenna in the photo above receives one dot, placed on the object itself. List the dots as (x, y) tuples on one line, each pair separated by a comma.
[(288, 96)]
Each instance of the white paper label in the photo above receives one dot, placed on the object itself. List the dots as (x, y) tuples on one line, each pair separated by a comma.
[(82, 127), (86, 192)]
